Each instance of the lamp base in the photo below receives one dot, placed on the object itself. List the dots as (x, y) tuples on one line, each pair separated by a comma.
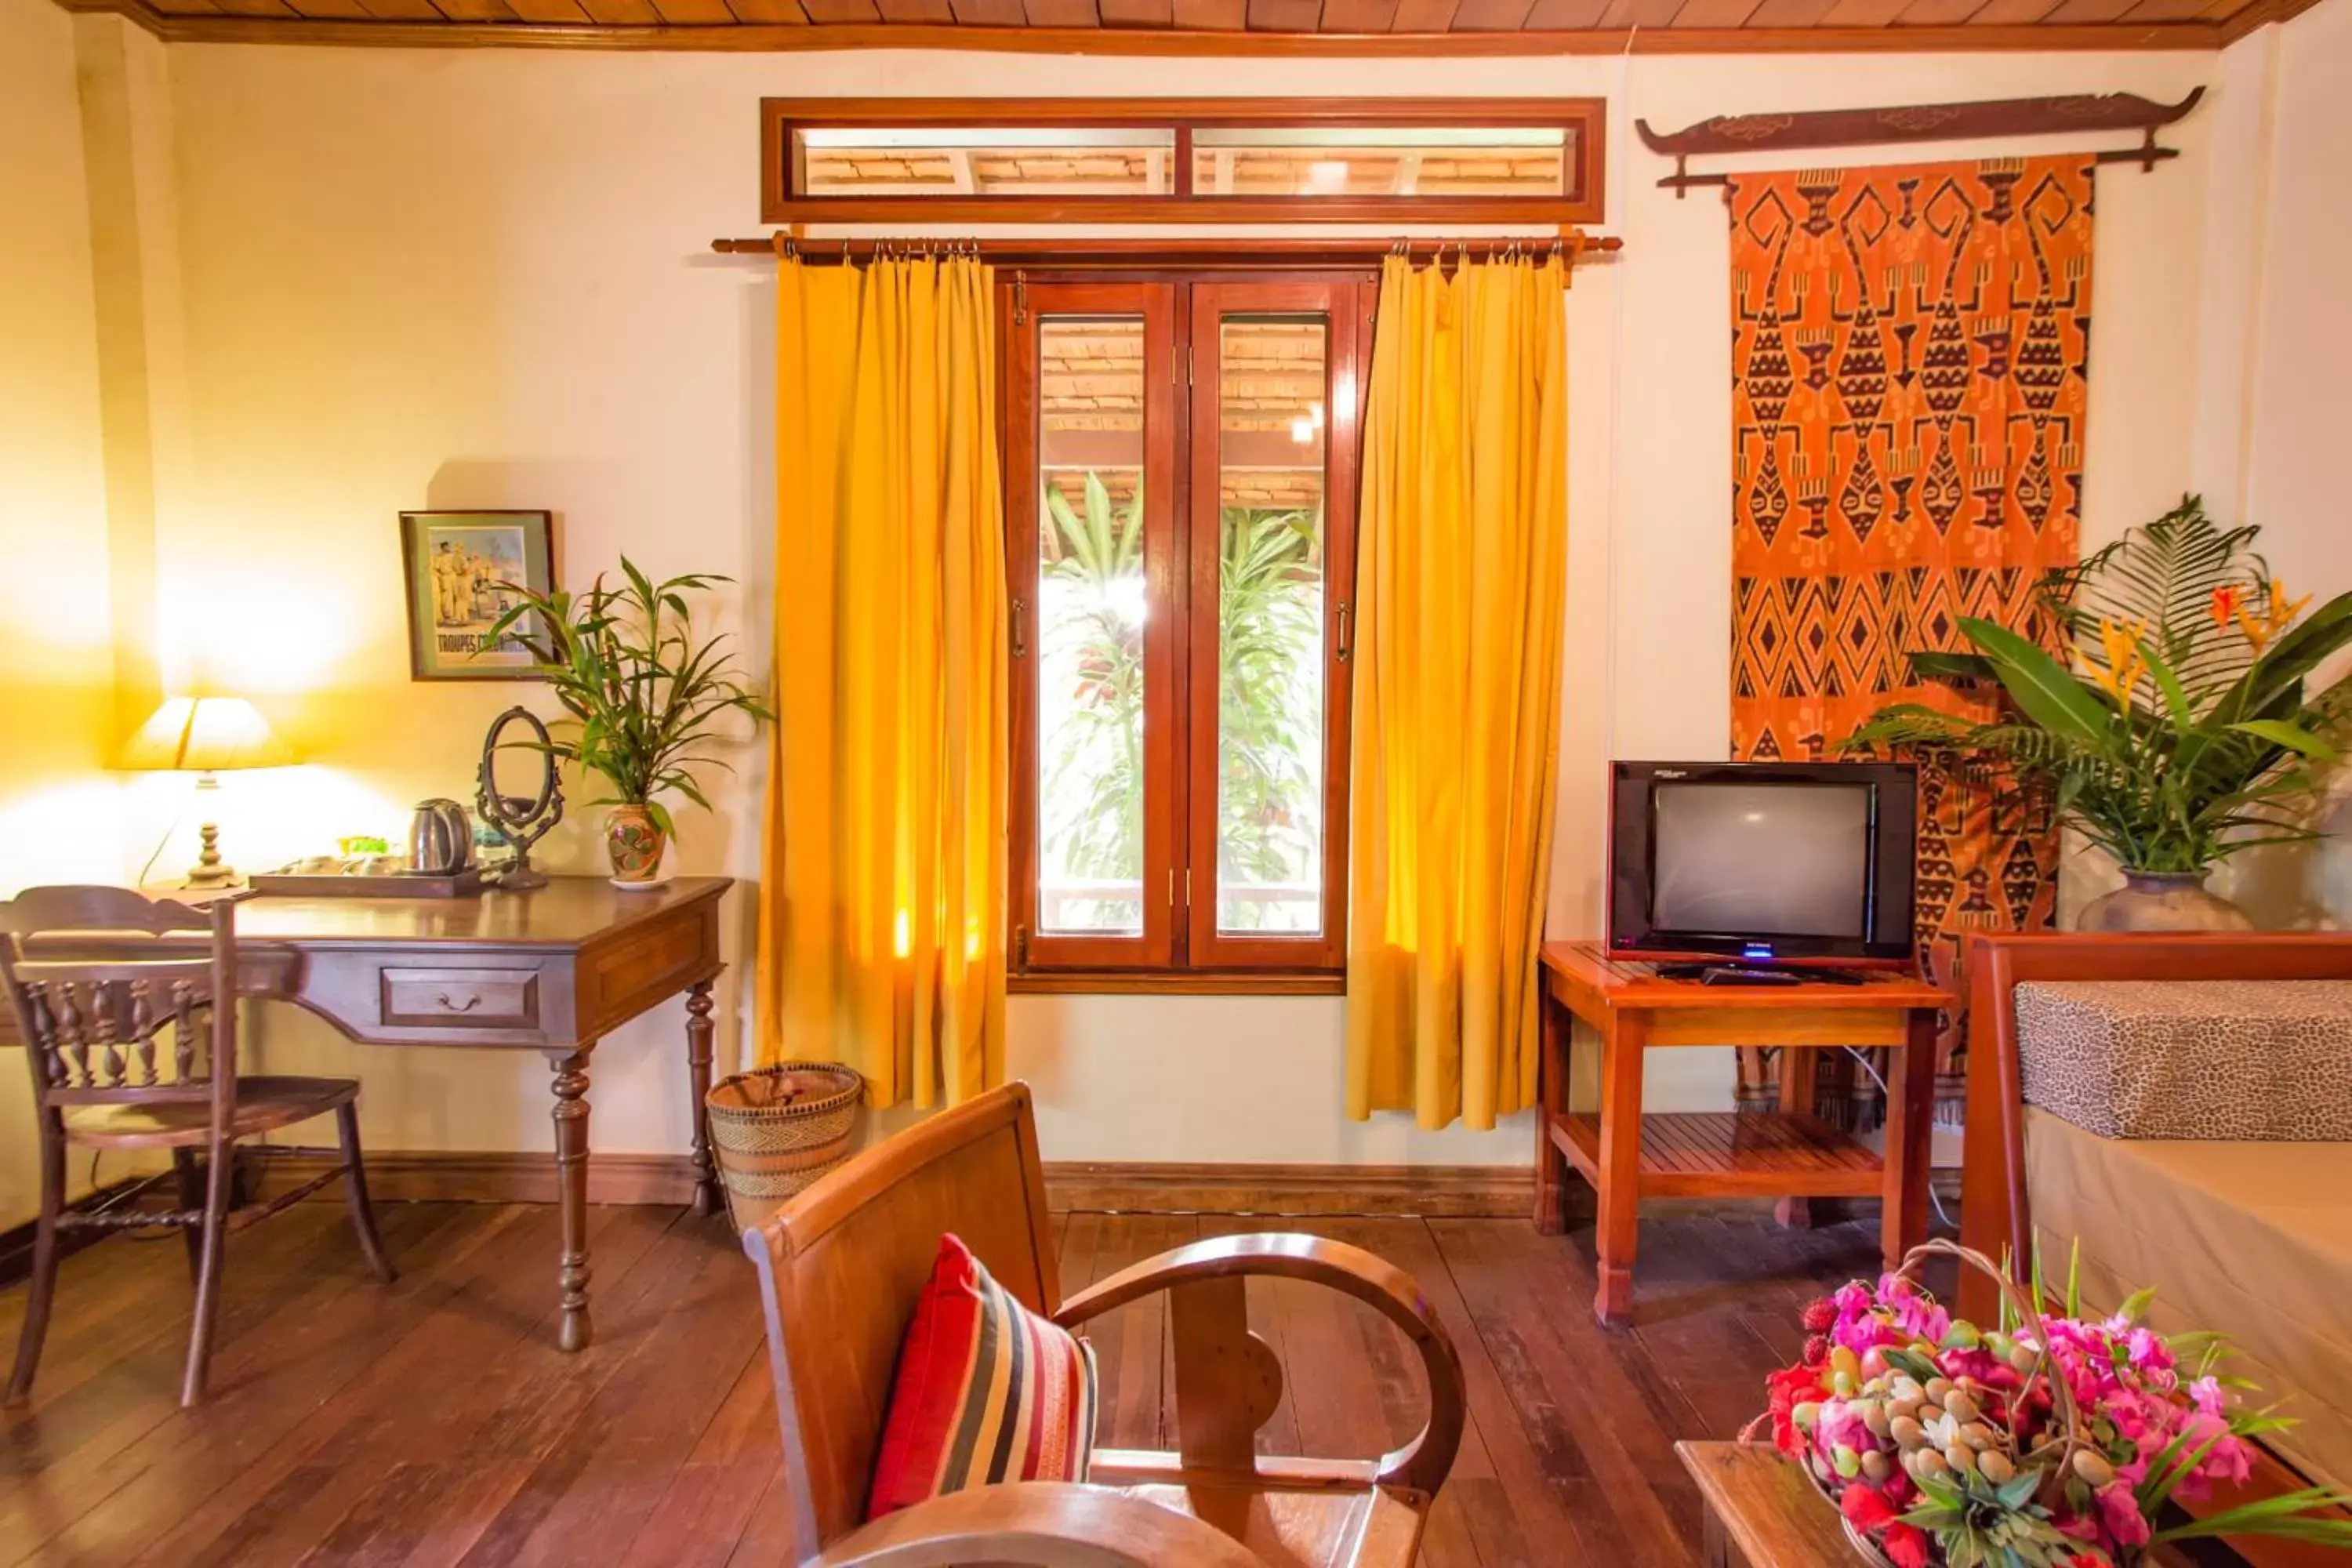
[(209, 871)]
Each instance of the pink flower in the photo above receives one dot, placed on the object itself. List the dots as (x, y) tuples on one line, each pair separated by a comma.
[(1840, 1426), (2120, 1515), (2210, 1398), (1916, 1313)]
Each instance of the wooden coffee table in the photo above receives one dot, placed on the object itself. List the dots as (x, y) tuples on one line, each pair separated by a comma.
[(1760, 1512), (1789, 1152)]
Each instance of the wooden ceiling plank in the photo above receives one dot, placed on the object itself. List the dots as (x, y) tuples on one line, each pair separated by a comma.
[(1005, 13), (1212, 15), (186, 7), (2166, 11), (1715, 12), (1358, 15), (693, 12), (2010, 12), (346, 10), (840, 13), (253, 7), (787, 12), (914, 12), (1062, 13), (1792, 13), (476, 10), (621, 13), (1864, 13), (1937, 13), (1137, 13), (1565, 15), (1640, 13), (2088, 11), (559, 12), (1284, 15), (403, 10), (1491, 15), (1424, 15)]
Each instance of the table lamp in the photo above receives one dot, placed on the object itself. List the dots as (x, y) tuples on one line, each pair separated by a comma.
[(207, 736)]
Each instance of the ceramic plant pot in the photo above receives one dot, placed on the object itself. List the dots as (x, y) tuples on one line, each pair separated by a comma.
[(2162, 900), (635, 843)]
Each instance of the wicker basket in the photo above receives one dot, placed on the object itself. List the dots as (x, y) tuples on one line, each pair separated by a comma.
[(777, 1130)]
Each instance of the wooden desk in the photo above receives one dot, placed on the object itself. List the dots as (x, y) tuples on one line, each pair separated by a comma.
[(551, 971), (1760, 1512), (1627, 1156)]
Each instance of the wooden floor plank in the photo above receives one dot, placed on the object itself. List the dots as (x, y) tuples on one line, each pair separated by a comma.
[(436, 1423)]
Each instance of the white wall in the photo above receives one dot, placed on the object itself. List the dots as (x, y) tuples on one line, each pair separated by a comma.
[(438, 279), (58, 819), (478, 278)]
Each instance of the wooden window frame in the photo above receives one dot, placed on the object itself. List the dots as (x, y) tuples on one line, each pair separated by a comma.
[(1180, 950), (781, 203)]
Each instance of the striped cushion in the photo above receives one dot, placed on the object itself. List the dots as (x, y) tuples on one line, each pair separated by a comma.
[(987, 1391)]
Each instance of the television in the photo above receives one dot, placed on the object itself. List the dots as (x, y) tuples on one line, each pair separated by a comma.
[(1765, 863)]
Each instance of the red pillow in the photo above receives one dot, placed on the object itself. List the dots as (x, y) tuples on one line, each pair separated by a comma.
[(986, 1392)]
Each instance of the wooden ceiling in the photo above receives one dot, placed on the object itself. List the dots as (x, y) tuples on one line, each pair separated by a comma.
[(1225, 26)]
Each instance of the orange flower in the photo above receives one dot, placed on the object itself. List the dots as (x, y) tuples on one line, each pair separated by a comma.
[(2225, 607), (2274, 616), (2125, 667)]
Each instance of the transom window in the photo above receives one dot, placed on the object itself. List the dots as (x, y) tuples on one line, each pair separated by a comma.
[(1181, 159), (1182, 476)]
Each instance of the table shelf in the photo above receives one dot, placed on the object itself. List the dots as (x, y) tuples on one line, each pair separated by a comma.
[(1728, 1153)]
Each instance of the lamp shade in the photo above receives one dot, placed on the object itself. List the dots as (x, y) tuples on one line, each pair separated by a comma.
[(205, 734)]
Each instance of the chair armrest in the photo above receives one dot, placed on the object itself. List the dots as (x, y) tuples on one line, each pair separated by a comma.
[(1050, 1524), (1421, 1463)]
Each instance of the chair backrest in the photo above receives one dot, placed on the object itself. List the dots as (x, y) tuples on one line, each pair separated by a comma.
[(93, 986), (843, 1264)]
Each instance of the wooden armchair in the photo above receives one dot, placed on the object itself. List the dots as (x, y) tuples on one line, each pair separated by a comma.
[(842, 1265)]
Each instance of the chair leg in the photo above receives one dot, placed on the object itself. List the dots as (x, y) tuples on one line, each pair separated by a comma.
[(219, 1171), (347, 1125), (192, 1198), (45, 1269)]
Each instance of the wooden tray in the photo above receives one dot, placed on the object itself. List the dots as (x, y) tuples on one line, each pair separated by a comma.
[(397, 885)]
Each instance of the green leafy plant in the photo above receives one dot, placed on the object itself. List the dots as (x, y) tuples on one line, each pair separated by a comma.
[(1093, 778), (1269, 691), (643, 694), (1270, 701), (2180, 730)]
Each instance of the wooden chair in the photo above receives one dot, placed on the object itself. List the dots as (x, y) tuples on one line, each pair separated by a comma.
[(842, 1265), (96, 976)]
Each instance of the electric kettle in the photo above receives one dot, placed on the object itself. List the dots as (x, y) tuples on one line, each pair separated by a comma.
[(440, 839)]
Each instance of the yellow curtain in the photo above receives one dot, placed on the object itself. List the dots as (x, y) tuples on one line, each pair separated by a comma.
[(881, 921), (1460, 559)]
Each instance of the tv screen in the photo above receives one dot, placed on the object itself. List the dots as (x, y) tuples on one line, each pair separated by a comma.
[(1777, 859), (1763, 861)]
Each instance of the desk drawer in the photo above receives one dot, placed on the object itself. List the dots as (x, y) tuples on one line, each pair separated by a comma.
[(461, 998)]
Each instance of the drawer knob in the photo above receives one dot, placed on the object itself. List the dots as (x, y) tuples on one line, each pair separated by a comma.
[(468, 1006)]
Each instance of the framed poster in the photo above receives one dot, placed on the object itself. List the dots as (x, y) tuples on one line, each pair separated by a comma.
[(463, 568)]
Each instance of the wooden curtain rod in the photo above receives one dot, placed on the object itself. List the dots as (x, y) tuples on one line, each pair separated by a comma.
[(1311, 252)]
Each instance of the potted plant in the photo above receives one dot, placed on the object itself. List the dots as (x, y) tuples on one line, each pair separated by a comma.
[(2181, 729), (642, 695)]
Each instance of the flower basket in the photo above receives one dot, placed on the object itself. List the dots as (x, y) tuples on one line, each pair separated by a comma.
[(777, 1130), (2047, 1442)]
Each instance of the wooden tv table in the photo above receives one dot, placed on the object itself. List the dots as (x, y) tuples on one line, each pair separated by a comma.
[(1628, 1156)]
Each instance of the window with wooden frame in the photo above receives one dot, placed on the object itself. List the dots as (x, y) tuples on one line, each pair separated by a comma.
[(1182, 470), (1181, 159)]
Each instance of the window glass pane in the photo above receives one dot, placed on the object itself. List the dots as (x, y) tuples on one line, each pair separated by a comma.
[(1518, 160), (1090, 612), (984, 161), (1271, 435)]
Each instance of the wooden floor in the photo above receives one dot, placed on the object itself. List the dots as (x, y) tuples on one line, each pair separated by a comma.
[(436, 1423)]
